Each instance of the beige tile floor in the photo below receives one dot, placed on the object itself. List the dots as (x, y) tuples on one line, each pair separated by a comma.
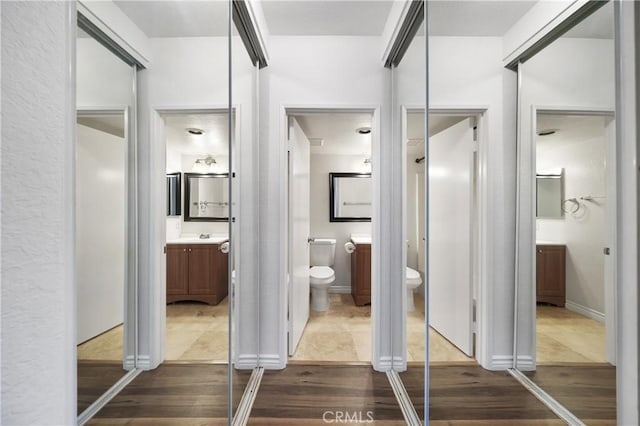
[(564, 336), (343, 333), (198, 332)]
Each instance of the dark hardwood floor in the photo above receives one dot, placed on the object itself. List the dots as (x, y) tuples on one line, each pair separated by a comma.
[(588, 391), (94, 379), (303, 394), (175, 394), (468, 394)]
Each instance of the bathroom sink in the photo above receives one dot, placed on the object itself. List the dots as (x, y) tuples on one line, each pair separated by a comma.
[(361, 238), (549, 243), (195, 239)]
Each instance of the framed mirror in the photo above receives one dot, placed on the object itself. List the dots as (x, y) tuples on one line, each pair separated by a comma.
[(174, 190), (350, 197), (206, 197), (549, 192)]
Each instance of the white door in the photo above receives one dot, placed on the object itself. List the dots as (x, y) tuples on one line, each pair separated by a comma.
[(299, 200), (450, 219), (609, 252)]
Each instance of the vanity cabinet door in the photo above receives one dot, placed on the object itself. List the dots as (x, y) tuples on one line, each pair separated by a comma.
[(177, 270), (361, 274), (550, 274), (201, 271)]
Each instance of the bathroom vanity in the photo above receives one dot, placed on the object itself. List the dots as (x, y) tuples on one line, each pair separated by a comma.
[(361, 270), (197, 270), (551, 273)]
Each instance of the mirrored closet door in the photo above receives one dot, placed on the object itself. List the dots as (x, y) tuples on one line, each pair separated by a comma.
[(567, 197), (105, 216)]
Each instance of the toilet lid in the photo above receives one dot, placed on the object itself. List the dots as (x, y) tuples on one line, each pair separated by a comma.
[(321, 272), (412, 274)]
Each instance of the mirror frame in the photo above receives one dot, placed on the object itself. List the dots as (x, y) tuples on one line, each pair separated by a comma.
[(187, 197), (332, 198)]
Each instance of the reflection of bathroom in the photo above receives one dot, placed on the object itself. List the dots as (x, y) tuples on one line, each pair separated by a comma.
[(197, 235), (571, 270), (446, 212), (338, 327)]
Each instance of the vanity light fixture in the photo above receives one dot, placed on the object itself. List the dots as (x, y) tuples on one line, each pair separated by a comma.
[(203, 165), (365, 130), (547, 132)]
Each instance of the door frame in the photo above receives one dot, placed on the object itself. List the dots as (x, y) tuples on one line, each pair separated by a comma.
[(378, 341), (484, 246), (153, 298), (529, 204)]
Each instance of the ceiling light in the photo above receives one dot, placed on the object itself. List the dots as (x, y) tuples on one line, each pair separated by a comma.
[(195, 131), (365, 130)]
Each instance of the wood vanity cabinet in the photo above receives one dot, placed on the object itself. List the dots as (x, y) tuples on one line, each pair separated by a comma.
[(197, 272), (361, 274), (551, 274)]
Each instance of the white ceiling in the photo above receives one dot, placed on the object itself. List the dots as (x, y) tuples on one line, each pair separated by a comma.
[(188, 18), (338, 131), (183, 18), (213, 141), (326, 17), (475, 18), (569, 127), (108, 123)]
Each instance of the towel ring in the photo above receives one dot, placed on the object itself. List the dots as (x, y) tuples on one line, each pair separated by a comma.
[(572, 210)]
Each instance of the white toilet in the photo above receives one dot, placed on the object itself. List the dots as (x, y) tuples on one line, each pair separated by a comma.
[(413, 281), (321, 275)]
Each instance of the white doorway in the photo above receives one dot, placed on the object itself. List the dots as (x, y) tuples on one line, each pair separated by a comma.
[(328, 150)]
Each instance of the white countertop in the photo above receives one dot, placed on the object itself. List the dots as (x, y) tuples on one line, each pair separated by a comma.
[(549, 243), (195, 239), (361, 238)]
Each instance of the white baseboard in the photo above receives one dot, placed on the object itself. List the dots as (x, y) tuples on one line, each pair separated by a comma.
[(382, 364), (144, 363), (340, 289), (583, 310), (246, 362), (272, 362), (129, 363), (505, 362)]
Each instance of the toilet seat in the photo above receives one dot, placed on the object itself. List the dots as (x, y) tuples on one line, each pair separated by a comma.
[(413, 277), (321, 275)]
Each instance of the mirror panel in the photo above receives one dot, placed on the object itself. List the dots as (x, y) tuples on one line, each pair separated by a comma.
[(549, 191), (566, 310), (206, 197), (350, 197), (105, 291), (174, 194)]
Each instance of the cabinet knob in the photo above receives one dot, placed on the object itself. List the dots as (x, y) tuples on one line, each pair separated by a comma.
[(189, 249), (184, 250), (539, 251)]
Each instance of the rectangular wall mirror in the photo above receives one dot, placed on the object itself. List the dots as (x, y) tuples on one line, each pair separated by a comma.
[(174, 190), (549, 184), (350, 197), (206, 197)]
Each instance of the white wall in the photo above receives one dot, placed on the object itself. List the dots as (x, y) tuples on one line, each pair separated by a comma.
[(38, 284), (100, 231), (316, 71), (580, 149), (321, 166)]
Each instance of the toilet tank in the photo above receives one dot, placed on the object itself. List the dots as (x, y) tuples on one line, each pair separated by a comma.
[(322, 252)]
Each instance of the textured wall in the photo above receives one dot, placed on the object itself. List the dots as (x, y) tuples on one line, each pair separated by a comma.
[(38, 304)]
